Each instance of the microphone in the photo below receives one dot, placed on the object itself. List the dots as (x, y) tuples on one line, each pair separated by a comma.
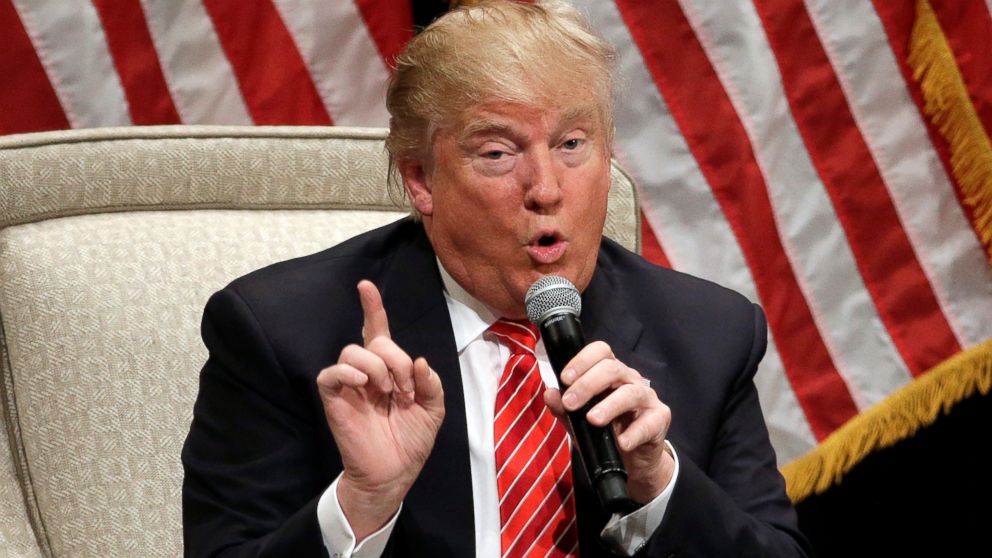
[(554, 304)]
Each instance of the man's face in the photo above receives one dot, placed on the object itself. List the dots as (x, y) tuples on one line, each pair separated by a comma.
[(512, 193)]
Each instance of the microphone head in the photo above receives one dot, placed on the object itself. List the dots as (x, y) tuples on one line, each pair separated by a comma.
[(552, 295)]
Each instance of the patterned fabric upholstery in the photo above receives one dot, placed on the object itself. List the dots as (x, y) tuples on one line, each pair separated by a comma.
[(111, 241), (17, 540)]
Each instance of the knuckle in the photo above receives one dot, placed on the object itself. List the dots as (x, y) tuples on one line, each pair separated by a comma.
[(616, 368), (636, 433), (665, 414), (607, 406), (378, 344), (629, 390), (404, 361), (647, 395), (601, 347), (656, 422), (350, 353), (595, 383), (625, 393), (330, 378)]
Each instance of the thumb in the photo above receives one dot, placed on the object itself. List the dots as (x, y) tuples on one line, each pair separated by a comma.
[(552, 398)]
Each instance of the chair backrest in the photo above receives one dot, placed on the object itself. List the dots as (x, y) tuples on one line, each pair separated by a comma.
[(111, 241), (17, 539)]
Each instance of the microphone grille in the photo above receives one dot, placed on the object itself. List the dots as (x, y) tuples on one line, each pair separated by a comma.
[(551, 295)]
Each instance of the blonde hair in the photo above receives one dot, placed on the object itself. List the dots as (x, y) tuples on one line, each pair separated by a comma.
[(494, 51)]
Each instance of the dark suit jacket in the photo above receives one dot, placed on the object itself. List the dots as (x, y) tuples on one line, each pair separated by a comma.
[(259, 453)]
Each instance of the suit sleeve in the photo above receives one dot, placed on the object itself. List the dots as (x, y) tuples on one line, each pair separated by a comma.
[(737, 505), (251, 485)]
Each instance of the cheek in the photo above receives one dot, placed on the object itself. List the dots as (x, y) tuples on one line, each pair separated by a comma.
[(493, 207), (481, 228), (590, 201)]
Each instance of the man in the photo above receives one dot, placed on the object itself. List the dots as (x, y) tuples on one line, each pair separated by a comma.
[(500, 131)]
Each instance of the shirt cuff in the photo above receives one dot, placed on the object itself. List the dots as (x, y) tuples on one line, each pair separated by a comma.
[(339, 539), (628, 533)]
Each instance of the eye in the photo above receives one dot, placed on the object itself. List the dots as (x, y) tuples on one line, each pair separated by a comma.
[(572, 144), (494, 158)]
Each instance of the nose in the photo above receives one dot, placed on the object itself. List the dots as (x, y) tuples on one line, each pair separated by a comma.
[(543, 182)]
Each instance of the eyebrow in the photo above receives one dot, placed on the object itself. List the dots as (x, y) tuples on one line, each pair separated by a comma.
[(495, 127), (577, 113), (485, 126)]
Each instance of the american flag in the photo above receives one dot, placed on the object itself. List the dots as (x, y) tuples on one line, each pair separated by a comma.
[(782, 148)]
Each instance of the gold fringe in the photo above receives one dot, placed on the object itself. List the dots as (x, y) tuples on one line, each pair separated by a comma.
[(951, 110), (897, 417)]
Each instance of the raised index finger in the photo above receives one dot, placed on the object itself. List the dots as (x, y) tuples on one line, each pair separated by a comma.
[(376, 324)]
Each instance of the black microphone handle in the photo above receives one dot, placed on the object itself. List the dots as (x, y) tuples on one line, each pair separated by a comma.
[(563, 339)]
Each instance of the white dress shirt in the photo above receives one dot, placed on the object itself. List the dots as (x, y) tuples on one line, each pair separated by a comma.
[(482, 360)]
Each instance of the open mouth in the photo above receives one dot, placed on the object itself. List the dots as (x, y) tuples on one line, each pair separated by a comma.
[(547, 247)]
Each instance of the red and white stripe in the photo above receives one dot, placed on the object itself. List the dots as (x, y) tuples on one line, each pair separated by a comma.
[(532, 456), (199, 75), (90, 63), (781, 150), (779, 147), (72, 47), (342, 56), (919, 185)]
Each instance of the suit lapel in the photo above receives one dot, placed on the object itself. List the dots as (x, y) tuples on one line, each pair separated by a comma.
[(437, 513), (606, 316), (603, 313)]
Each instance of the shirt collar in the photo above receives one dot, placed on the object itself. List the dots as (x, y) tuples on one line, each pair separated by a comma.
[(470, 318)]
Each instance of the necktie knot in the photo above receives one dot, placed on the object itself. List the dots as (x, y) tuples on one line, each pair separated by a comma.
[(519, 335)]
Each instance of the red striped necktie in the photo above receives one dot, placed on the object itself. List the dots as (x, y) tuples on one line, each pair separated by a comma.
[(533, 460)]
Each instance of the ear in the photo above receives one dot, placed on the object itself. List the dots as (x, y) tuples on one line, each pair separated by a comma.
[(416, 185)]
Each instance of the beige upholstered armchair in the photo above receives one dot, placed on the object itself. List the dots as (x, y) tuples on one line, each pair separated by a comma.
[(111, 241)]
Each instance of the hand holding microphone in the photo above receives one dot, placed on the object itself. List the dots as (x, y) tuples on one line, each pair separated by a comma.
[(602, 395)]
